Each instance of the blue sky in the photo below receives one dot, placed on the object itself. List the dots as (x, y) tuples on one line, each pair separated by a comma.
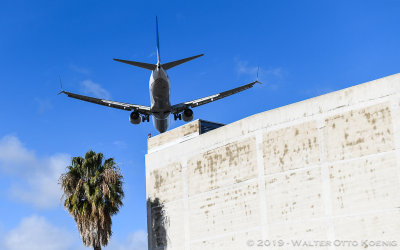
[(303, 48)]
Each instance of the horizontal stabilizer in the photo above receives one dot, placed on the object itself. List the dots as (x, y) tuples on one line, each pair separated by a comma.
[(138, 64), (178, 62)]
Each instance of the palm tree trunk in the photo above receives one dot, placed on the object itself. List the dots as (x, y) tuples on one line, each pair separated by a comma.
[(97, 248)]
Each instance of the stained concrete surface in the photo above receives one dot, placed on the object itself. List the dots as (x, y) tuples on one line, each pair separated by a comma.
[(327, 168)]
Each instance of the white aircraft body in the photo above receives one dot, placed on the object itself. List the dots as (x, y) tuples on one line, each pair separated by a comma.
[(159, 85)]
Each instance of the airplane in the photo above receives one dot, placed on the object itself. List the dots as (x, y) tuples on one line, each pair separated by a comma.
[(159, 86)]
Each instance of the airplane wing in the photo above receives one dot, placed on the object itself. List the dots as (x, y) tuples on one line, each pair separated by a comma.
[(175, 109), (119, 105)]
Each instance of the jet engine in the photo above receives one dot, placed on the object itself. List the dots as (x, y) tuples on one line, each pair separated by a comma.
[(135, 118), (187, 115)]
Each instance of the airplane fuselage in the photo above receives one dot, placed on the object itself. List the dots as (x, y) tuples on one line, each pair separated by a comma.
[(159, 95)]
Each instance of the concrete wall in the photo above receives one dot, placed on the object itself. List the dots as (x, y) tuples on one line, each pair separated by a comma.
[(327, 168)]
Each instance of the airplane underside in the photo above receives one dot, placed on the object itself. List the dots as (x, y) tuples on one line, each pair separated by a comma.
[(159, 86), (159, 96)]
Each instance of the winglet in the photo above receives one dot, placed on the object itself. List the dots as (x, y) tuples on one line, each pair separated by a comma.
[(62, 90), (258, 69)]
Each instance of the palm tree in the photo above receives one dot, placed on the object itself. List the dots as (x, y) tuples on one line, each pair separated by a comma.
[(93, 193)]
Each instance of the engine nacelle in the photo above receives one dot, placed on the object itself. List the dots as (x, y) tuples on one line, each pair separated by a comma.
[(135, 118), (187, 115)]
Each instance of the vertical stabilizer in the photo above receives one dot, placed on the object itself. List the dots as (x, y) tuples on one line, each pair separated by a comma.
[(158, 43)]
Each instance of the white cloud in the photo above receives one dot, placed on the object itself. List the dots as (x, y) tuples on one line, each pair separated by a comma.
[(36, 177), (264, 75), (243, 67), (43, 105), (36, 233), (135, 241), (80, 70), (42, 189), (152, 54), (14, 156), (91, 88), (120, 144)]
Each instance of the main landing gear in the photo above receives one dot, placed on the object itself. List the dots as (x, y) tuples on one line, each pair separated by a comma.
[(177, 117), (145, 118)]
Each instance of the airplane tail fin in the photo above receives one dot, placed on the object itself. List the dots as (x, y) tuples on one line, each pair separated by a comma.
[(178, 62), (170, 64), (158, 42)]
